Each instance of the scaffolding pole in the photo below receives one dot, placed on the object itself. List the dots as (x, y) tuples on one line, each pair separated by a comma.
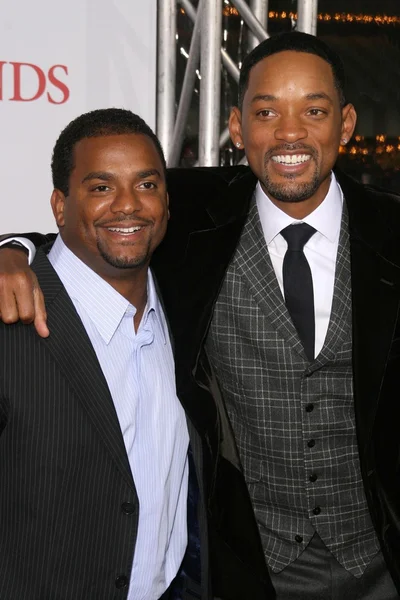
[(260, 11), (307, 16), (187, 90), (210, 85), (166, 73), (250, 19)]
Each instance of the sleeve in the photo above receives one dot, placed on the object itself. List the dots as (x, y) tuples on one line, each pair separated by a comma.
[(31, 241)]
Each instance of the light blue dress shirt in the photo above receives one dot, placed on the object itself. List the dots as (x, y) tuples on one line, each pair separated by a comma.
[(139, 370)]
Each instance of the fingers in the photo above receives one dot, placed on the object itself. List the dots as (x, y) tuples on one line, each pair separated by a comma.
[(16, 299), (40, 313), (20, 294), (8, 307)]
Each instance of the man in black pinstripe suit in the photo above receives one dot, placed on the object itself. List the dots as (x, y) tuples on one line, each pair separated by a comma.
[(76, 518)]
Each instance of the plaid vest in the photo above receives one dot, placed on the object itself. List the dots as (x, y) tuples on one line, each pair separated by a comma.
[(293, 420)]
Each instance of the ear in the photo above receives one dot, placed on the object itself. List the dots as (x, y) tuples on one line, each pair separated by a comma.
[(235, 127), (349, 120), (168, 215), (57, 202)]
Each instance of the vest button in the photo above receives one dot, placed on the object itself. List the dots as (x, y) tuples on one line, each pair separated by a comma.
[(311, 443), (128, 508), (313, 477), (317, 510), (121, 582), (309, 407), (298, 538)]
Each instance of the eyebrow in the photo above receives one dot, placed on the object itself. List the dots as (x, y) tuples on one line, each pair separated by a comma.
[(265, 97), (148, 173), (312, 96), (105, 176), (319, 96)]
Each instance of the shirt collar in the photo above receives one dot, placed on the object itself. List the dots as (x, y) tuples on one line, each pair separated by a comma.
[(326, 218), (101, 302)]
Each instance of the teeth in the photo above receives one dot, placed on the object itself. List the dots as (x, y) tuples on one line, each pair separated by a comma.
[(294, 159), (124, 229)]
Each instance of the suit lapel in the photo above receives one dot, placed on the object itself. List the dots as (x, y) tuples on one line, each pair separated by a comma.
[(254, 264), (71, 348), (375, 283), (338, 329)]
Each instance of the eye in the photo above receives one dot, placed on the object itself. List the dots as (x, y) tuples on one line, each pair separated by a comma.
[(317, 112), (265, 113), (148, 185), (100, 188)]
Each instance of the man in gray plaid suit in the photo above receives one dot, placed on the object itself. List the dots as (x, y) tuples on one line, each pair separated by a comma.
[(283, 279)]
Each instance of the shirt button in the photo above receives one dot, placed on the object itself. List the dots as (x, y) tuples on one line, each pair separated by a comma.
[(298, 538), (128, 508), (311, 443), (313, 477), (121, 582), (309, 407), (317, 510)]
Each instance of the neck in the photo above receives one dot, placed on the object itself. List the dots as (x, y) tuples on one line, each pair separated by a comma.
[(132, 285)]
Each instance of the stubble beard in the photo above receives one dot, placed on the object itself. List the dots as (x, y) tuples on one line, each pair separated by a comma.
[(124, 262), (291, 191)]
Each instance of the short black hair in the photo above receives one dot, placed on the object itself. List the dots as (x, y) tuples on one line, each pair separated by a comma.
[(297, 42), (97, 123)]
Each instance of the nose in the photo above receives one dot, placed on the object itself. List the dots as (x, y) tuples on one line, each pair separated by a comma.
[(127, 202), (290, 129)]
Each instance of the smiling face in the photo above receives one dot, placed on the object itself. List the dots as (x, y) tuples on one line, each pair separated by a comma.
[(116, 211), (291, 125)]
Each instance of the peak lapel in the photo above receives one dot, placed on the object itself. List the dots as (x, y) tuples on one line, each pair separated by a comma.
[(71, 348), (255, 267), (375, 283)]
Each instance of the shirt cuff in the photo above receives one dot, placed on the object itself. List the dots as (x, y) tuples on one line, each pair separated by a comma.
[(26, 243)]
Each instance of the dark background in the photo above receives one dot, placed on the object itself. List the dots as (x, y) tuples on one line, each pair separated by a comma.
[(367, 37)]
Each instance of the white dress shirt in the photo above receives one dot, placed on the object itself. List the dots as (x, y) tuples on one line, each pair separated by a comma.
[(320, 250), (139, 370)]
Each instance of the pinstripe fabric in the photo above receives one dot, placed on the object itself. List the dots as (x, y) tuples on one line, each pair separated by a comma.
[(139, 370), (68, 505), (292, 419)]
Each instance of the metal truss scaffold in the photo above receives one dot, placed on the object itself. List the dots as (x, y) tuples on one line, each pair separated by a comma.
[(206, 49)]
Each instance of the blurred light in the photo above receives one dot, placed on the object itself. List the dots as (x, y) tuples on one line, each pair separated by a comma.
[(342, 17)]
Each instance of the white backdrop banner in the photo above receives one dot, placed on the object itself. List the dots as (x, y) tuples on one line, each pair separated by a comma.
[(59, 59)]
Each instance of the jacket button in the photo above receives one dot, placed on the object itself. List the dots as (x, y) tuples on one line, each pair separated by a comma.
[(313, 477), (298, 538), (317, 510), (121, 582), (311, 443), (309, 407), (128, 508)]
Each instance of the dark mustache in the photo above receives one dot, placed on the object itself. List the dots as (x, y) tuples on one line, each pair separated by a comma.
[(138, 221)]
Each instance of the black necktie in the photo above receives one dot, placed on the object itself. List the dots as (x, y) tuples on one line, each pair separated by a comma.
[(298, 285)]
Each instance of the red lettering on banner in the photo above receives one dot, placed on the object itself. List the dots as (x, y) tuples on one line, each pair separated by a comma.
[(17, 82), (58, 84), (2, 62), (22, 71)]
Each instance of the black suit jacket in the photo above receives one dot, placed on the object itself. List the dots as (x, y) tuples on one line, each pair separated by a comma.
[(68, 504), (208, 211)]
